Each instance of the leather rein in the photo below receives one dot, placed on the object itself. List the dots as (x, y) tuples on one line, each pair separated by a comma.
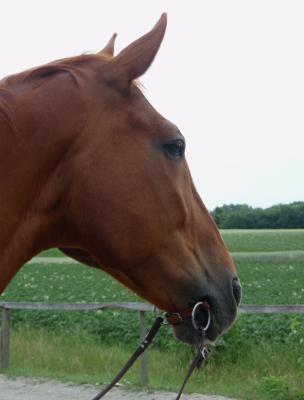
[(174, 319)]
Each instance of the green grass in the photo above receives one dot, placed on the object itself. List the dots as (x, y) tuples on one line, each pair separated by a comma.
[(243, 240), (247, 362), (84, 359), (276, 281), (255, 240), (272, 282), (52, 253), (264, 282)]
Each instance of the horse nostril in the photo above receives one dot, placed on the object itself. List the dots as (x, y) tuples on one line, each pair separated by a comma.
[(237, 290)]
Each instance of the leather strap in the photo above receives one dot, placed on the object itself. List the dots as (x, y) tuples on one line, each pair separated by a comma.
[(142, 347), (197, 362), (173, 319), (177, 318)]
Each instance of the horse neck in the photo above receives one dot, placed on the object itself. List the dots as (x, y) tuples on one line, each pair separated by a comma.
[(32, 160)]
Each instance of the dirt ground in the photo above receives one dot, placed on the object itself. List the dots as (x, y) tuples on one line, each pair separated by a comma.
[(29, 389)]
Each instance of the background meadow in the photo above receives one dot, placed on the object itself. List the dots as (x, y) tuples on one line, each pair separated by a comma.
[(74, 345)]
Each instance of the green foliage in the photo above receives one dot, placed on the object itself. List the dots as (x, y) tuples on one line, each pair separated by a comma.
[(277, 389), (272, 282), (263, 283), (296, 334), (242, 216), (244, 371)]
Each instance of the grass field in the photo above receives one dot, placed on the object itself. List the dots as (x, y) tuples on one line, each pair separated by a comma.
[(264, 240), (243, 372), (251, 240), (246, 363)]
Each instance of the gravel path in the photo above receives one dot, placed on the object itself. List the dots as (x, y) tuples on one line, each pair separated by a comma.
[(30, 389)]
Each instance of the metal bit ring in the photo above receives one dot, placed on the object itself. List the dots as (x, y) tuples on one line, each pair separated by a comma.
[(200, 328)]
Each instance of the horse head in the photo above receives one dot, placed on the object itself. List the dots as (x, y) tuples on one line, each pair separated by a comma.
[(114, 187)]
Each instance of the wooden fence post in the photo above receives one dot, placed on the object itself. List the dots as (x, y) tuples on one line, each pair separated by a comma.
[(143, 374), (5, 338)]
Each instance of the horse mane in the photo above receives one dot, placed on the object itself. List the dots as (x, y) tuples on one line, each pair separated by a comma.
[(7, 115), (71, 65), (39, 76)]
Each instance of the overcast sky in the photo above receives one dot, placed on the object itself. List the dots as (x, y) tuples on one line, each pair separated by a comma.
[(230, 74)]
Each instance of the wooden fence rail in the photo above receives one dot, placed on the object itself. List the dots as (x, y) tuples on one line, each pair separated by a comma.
[(141, 308)]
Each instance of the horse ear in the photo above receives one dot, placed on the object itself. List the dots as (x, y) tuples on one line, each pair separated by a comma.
[(134, 60), (109, 49)]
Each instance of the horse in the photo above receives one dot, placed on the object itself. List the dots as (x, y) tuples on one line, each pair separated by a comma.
[(90, 167)]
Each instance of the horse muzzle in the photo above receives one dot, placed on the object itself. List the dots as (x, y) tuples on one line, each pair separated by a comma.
[(206, 319)]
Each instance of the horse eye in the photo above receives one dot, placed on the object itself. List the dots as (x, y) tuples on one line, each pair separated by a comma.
[(175, 149)]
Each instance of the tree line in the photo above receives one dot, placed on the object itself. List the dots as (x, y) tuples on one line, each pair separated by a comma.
[(242, 216)]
